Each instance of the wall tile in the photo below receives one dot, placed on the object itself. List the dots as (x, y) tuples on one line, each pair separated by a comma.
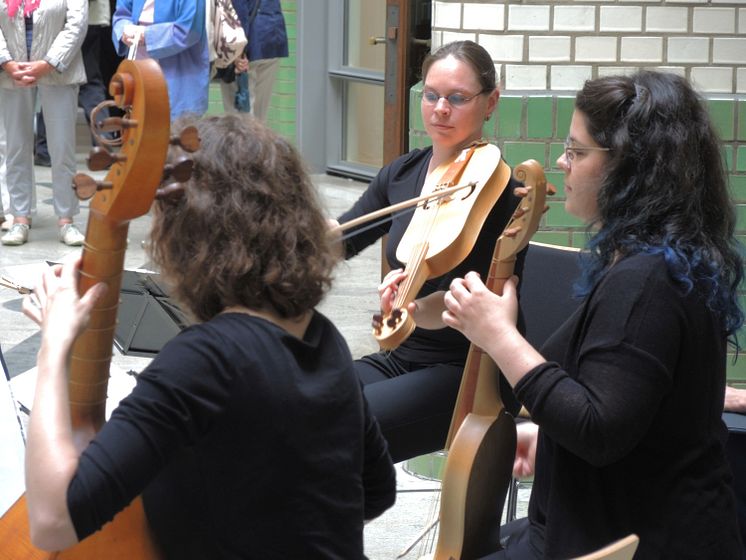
[(450, 36), (742, 21), (510, 116), (565, 108), (727, 156), (596, 49), (525, 77), (621, 18), (574, 18), (678, 70), (664, 18), (723, 113), (549, 48), (617, 70), (691, 50), (484, 16), (539, 119), (714, 80), (714, 20), (504, 48), (446, 15), (569, 77), (528, 17), (556, 149), (741, 161), (516, 153), (641, 49), (557, 217), (740, 80), (729, 50)]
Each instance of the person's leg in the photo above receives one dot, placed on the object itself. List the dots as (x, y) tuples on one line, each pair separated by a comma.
[(414, 409), (60, 105), (4, 199), (17, 106), (262, 75), (228, 91), (516, 539)]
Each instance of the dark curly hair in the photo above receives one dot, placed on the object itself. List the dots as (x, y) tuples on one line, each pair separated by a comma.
[(248, 230), (665, 189)]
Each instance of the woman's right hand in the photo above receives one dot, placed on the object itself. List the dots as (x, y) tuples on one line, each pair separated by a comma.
[(525, 450)]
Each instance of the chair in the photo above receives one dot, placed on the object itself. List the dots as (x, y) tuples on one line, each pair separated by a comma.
[(735, 450), (546, 302), (623, 549)]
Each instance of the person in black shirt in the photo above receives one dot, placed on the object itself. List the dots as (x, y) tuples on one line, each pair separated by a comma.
[(248, 435), (412, 389), (628, 393)]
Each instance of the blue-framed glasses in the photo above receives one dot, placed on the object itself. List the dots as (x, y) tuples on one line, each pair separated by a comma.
[(431, 97), (572, 151)]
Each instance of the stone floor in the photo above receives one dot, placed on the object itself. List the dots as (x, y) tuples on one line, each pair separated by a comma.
[(350, 305)]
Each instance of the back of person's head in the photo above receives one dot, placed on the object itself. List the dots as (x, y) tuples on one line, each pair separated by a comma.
[(248, 229), (665, 187), (470, 53)]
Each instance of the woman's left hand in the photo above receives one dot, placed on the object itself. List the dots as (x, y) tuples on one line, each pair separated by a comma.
[(478, 313), (56, 306)]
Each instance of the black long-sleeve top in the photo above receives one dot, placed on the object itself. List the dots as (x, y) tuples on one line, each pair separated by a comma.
[(402, 180), (631, 438), (246, 442)]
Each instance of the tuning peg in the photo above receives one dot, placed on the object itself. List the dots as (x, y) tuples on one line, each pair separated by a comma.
[(396, 315), (172, 191), (188, 139), (181, 171), (86, 186), (512, 232), (551, 189), (377, 323), (114, 124), (100, 158)]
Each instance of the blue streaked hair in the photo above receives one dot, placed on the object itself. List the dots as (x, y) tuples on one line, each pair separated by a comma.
[(665, 190)]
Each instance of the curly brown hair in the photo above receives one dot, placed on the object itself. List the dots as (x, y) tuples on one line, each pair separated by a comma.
[(248, 230)]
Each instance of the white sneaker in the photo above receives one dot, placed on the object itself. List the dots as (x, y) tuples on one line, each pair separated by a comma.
[(17, 235), (70, 235)]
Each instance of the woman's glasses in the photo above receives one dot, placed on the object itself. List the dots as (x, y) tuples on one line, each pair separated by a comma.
[(431, 97), (572, 151)]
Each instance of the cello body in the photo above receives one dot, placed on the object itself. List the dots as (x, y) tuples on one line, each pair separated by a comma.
[(482, 439), (139, 88)]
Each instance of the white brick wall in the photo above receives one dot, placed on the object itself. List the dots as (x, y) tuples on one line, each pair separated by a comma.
[(642, 49), (528, 17), (621, 18), (659, 18), (596, 49), (446, 15), (520, 77), (504, 48), (693, 50), (711, 79), (574, 18), (484, 16), (556, 44), (569, 77), (714, 20), (728, 50), (549, 48)]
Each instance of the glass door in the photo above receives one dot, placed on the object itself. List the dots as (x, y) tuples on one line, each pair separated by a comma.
[(356, 76)]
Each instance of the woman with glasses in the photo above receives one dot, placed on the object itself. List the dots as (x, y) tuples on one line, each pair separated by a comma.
[(628, 393), (412, 389)]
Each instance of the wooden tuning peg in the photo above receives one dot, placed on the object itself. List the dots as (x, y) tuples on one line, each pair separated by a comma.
[(100, 158), (181, 171), (188, 139), (551, 189), (114, 124), (86, 186)]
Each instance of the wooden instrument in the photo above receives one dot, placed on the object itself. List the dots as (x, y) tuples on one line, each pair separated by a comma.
[(482, 438), (139, 88), (442, 234)]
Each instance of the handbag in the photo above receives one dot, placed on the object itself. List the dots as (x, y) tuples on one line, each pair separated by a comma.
[(229, 39)]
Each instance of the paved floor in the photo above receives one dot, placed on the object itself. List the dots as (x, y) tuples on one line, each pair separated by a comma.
[(350, 305)]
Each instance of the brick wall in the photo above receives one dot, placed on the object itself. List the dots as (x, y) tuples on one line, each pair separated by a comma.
[(543, 53)]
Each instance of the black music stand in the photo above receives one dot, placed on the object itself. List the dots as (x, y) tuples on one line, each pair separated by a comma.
[(147, 317)]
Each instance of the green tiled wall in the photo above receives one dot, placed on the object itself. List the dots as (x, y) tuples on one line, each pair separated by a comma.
[(535, 128)]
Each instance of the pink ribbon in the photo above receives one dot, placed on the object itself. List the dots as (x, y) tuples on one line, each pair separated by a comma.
[(28, 7)]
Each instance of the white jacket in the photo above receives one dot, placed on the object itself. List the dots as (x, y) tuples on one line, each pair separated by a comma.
[(59, 29)]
